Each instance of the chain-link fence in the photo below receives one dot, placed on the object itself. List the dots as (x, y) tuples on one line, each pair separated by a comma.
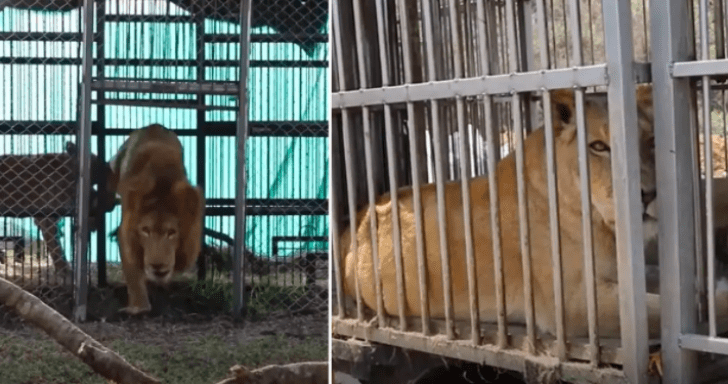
[(175, 63)]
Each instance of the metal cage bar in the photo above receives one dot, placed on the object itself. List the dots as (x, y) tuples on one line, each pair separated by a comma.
[(336, 19), (707, 135), (465, 183), (242, 139), (522, 198), (416, 184), (586, 222), (673, 157), (588, 256), (552, 191), (392, 171), (433, 90), (627, 192), (439, 174), (349, 151), (80, 276), (491, 134)]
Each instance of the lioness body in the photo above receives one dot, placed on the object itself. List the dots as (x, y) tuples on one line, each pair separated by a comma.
[(161, 222), (44, 187), (570, 215)]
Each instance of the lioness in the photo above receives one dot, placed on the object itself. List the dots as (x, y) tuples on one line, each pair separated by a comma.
[(44, 187), (161, 222), (570, 214)]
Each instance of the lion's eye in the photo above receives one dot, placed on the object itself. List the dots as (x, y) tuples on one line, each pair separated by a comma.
[(599, 146), (145, 231), (171, 232)]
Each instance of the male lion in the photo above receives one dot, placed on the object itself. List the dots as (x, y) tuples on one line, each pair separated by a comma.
[(570, 214), (161, 221)]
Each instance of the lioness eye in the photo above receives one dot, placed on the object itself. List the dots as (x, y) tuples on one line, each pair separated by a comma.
[(599, 146), (171, 232), (145, 231)]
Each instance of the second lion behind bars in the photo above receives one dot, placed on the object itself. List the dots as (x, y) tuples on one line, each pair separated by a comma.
[(570, 215), (161, 222)]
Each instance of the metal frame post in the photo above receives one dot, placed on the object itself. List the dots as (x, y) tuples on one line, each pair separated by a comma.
[(670, 43), (627, 191), (80, 286), (242, 139)]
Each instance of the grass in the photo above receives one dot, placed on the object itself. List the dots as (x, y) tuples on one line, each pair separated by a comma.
[(198, 361)]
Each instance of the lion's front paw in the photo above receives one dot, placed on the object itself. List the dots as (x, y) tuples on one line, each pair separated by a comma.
[(131, 310)]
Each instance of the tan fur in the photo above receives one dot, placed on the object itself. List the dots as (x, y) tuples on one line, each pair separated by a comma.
[(603, 221), (162, 213)]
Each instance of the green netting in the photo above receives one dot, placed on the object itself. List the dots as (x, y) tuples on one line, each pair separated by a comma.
[(278, 167)]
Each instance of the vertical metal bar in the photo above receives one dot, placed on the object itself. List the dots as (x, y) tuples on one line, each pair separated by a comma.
[(414, 161), (351, 189), (719, 20), (335, 215), (439, 174), (586, 222), (708, 141), (350, 183), (335, 167), (589, 281), (492, 153), (101, 140), (201, 112), (373, 221), (522, 197), (626, 180), (709, 211), (84, 181), (242, 139), (672, 97), (465, 181), (575, 21), (392, 164), (553, 200)]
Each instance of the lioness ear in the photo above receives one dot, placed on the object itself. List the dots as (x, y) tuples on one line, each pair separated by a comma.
[(562, 107)]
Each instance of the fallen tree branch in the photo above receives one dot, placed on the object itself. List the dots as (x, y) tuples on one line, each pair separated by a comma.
[(314, 372), (101, 359)]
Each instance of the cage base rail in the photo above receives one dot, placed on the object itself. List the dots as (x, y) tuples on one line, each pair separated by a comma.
[(511, 359)]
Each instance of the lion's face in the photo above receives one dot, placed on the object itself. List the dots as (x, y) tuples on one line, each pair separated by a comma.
[(158, 234), (599, 151)]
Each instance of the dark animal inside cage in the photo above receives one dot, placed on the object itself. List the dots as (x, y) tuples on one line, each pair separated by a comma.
[(44, 187), (300, 20)]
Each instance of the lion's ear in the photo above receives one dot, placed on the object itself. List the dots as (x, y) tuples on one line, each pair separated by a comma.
[(562, 107)]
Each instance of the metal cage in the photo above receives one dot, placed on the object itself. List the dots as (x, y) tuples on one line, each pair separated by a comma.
[(438, 92)]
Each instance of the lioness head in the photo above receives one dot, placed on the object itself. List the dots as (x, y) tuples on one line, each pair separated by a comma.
[(596, 114), (164, 229)]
